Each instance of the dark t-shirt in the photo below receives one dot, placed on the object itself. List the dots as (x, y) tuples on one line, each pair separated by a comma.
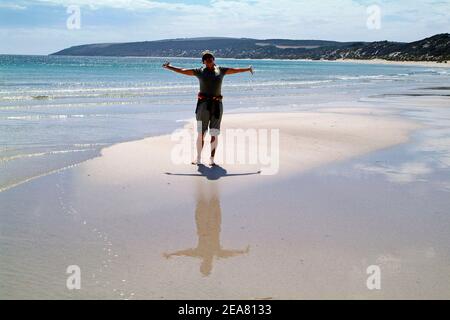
[(210, 80)]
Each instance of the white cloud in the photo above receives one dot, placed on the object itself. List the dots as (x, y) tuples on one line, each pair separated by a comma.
[(288, 12), (123, 4), (343, 20)]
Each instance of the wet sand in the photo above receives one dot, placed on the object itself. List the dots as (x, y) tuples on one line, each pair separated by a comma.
[(143, 227)]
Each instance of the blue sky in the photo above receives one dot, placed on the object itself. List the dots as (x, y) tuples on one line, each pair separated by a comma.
[(39, 26)]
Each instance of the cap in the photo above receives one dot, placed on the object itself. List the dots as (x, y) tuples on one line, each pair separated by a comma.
[(206, 54)]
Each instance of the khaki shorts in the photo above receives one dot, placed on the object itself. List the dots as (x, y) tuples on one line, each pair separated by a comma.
[(205, 119)]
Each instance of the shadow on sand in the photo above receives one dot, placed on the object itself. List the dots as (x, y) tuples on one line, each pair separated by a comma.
[(212, 173)]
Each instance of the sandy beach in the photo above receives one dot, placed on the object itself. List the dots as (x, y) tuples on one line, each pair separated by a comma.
[(318, 180), (143, 227), (431, 64)]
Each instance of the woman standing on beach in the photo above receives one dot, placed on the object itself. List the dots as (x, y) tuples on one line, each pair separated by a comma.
[(209, 101)]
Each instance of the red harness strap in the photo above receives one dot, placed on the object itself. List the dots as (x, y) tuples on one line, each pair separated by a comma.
[(212, 103), (202, 96)]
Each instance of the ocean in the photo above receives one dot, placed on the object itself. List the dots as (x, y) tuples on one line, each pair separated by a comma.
[(57, 111)]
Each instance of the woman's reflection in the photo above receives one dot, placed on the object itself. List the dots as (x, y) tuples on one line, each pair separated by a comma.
[(208, 218)]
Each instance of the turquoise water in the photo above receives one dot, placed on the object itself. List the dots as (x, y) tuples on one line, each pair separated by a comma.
[(59, 111)]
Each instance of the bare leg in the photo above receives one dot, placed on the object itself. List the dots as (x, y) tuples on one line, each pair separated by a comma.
[(214, 142), (200, 143)]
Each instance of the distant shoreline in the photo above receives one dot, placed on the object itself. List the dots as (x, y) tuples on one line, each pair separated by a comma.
[(393, 62), (414, 63), (362, 61)]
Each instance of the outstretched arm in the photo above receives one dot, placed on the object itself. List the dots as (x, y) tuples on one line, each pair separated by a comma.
[(187, 72), (239, 70), (187, 252), (231, 253)]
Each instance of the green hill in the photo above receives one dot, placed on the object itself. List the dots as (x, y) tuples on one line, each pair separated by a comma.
[(436, 48)]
